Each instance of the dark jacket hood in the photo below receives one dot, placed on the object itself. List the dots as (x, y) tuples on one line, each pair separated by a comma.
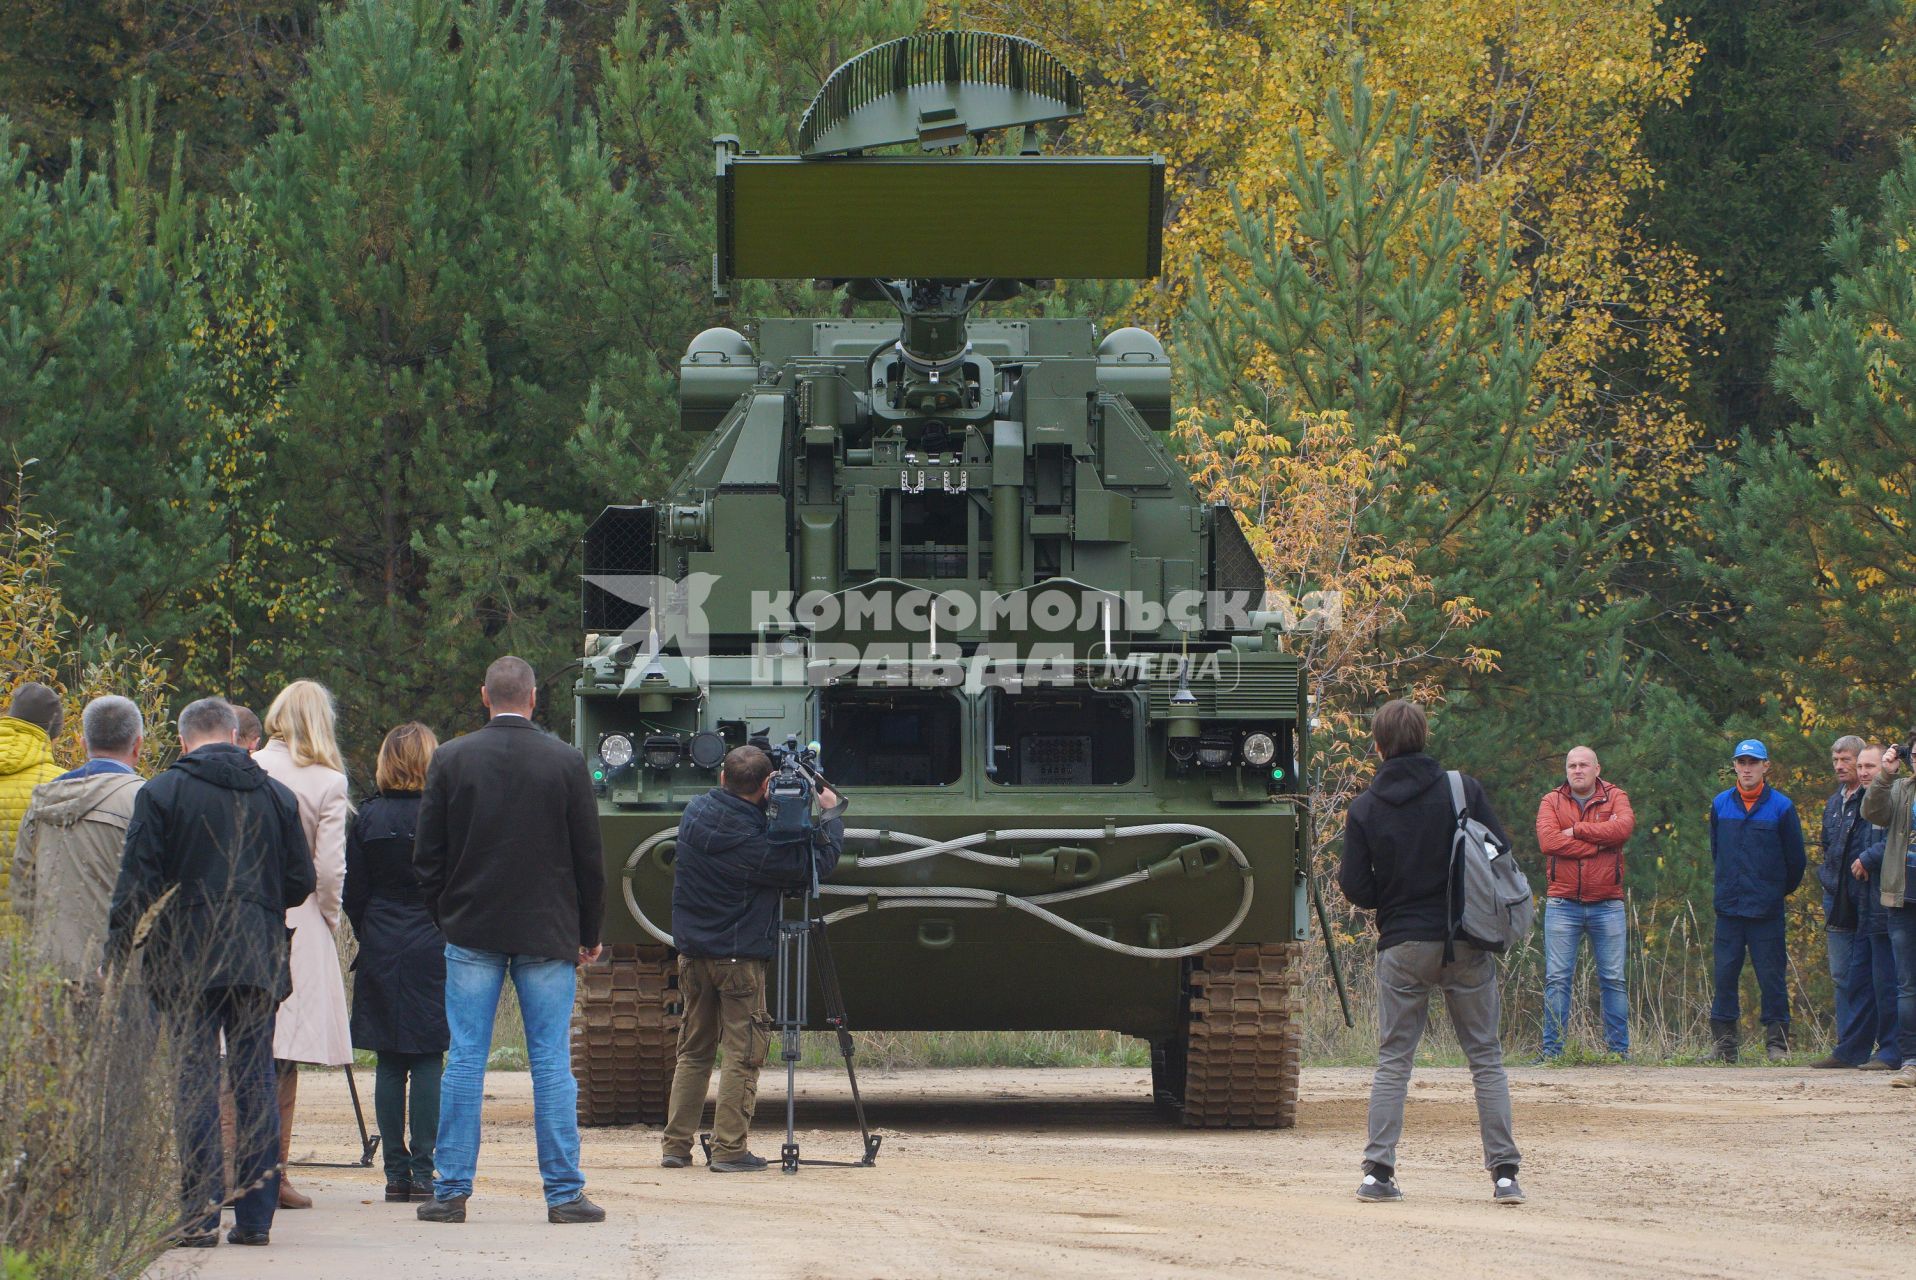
[(223, 765), (1402, 779)]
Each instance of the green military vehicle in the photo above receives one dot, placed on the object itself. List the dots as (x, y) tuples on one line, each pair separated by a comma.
[(958, 555)]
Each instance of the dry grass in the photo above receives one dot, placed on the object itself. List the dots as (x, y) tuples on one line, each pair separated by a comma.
[(1667, 972), (90, 1187)]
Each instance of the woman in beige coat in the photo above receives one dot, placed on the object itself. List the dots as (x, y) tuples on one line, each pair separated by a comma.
[(302, 751)]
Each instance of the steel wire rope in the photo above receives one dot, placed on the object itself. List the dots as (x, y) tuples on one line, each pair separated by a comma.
[(879, 897)]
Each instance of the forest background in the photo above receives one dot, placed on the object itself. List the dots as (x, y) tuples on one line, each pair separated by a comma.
[(1569, 340)]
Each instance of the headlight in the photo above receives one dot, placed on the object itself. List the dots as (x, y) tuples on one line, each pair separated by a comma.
[(662, 750), (707, 750), (616, 750), (1259, 749), (1214, 751)]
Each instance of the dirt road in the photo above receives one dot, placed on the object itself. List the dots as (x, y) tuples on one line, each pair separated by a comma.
[(1637, 1172)]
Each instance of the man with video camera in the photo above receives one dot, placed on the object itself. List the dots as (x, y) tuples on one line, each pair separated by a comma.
[(728, 876), (1890, 801)]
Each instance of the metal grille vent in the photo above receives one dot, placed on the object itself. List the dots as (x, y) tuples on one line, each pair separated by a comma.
[(622, 542), (1234, 566), (1240, 690)]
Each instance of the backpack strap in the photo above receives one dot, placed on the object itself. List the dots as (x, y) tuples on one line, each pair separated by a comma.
[(1461, 809)]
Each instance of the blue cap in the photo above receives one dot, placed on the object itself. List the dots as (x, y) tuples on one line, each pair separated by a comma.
[(1751, 747)]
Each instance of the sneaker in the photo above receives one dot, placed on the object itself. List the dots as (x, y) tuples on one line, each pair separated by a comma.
[(1877, 1064), (1904, 1078), (675, 1162), (436, 1210), (246, 1235), (1376, 1190), (578, 1210), (1507, 1191), (1831, 1063), (743, 1162)]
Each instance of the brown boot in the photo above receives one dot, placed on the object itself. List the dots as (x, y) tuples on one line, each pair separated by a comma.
[(288, 1094)]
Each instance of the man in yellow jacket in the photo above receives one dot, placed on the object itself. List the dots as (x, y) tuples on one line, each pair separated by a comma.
[(33, 719)]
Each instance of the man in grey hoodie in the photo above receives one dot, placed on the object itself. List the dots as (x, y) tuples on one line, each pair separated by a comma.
[(68, 852)]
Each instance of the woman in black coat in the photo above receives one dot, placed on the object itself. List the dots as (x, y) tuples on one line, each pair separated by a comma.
[(399, 975)]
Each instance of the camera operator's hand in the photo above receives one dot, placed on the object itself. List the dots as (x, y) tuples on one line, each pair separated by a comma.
[(588, 955), (827, 798)]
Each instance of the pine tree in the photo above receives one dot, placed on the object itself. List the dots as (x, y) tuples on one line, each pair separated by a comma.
[(468, 289), (92, 375), (1812, 536), (1354, 330)]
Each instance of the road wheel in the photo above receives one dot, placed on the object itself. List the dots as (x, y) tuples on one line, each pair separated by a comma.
[(625, 1032), (1243, 1038)]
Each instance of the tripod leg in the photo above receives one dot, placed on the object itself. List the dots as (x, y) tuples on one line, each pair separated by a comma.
[(791, 968), (367, 1144), (835, 1014)]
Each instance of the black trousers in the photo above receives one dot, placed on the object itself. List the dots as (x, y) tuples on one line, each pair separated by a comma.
[(246, 1015)]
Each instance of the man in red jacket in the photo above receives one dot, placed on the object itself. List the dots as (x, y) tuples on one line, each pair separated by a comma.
[(1581, 828)]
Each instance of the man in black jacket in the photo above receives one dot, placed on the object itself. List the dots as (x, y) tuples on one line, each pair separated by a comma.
[(1397, 862), (214, 858), (509, 864), (727, 879)]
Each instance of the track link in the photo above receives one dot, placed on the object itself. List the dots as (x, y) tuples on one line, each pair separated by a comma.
[(625, 1031), (1244, 1038)]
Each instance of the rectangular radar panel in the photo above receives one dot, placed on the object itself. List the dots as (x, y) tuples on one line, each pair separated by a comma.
[(971, 218)]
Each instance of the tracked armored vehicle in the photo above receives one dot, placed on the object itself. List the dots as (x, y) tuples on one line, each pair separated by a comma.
[(958, 554)]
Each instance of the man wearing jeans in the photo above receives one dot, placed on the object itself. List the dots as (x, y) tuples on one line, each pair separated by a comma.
[(1756, 851), (1844, 837), (509, 864), (1581, 828), (1890, 802), (1397, 862)]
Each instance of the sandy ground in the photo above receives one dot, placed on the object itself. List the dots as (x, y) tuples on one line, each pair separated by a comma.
[(1631, 1172)]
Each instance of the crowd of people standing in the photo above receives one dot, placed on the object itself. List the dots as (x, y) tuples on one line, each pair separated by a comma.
[(227, 874), (1402, 860), (223, 880)]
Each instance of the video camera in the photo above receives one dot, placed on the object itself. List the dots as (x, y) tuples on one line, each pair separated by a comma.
[(795, 780), (1906, 751)]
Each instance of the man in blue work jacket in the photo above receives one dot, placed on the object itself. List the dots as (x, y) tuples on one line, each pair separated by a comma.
[(1756, 847)]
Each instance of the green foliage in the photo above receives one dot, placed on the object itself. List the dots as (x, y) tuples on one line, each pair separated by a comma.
[(92, 379), (233, 305), (460, 279), (1812, 538), (1772, 135), (1361, 310), (218, 67)]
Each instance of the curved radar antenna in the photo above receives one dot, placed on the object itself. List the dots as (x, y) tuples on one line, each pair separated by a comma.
[(936, 88)]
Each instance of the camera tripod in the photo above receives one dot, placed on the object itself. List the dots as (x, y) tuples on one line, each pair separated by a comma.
[(797, 940)]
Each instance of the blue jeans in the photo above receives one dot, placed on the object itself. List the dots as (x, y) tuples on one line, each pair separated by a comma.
[(545, 986), (246, 1015), (1865, 999), (1763, 940), (1565, 923), (1902, 941)]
